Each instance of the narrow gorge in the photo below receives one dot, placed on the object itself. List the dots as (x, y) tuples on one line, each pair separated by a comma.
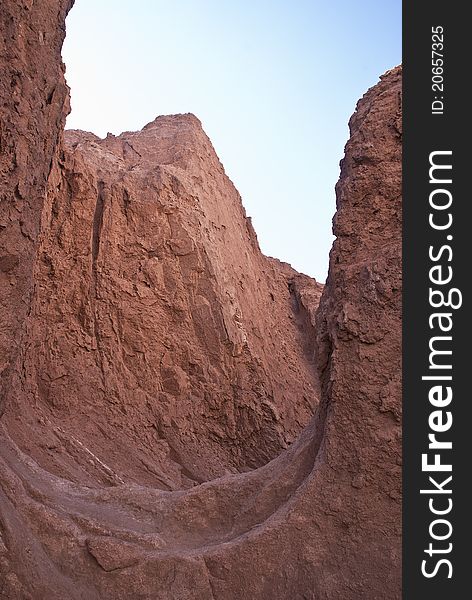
[(182, 417)]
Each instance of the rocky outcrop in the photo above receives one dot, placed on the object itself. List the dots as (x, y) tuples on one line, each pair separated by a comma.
[(159, 359), (167, 349), (32, 115)]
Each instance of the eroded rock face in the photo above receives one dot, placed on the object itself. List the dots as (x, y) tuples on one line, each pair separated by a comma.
[(157, 348), (32, 115), (166, 349)]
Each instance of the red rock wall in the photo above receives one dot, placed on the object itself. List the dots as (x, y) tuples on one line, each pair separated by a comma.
[(158, 325), (32, 115)]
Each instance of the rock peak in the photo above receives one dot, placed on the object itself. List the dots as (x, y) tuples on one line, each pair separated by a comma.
[(175, 119)]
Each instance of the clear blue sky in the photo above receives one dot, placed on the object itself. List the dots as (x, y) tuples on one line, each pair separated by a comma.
[(273, 82)]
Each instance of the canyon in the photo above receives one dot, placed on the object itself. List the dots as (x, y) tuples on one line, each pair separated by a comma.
[(183, 417)]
